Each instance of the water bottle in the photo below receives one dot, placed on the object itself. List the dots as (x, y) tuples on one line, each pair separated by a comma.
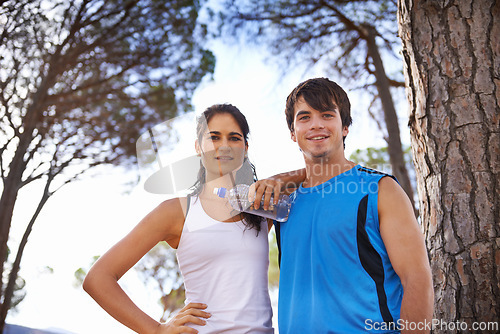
[(238, 198)]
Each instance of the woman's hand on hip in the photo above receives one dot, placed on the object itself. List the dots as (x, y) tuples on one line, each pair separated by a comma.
[(191, 313)]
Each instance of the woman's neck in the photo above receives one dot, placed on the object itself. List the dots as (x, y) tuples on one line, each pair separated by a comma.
[(224, 181), (214, 206)]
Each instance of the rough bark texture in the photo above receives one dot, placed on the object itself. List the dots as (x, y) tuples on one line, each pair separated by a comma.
[(452, 69)]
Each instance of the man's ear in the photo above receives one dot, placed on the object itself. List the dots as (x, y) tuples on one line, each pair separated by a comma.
[(345, 131), (292, 134)]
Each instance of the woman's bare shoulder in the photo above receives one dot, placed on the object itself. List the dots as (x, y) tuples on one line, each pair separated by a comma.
[(170, 216), (173, 207)]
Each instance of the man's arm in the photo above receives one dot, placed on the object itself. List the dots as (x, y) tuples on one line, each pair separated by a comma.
[(405, 245), (275, 185)]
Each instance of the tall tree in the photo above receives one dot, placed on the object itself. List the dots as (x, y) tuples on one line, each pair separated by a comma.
[(79, 81), (452, 68), (353, 38)]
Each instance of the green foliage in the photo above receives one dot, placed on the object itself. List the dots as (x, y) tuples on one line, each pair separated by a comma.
[(81, 272), (173, 301), (19, 291), (274, 269), (376, 158)]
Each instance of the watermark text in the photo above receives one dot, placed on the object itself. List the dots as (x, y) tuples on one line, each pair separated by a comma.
[(434, 324)]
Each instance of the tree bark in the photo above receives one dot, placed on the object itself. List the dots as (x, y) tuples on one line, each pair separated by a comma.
[(452, 69)]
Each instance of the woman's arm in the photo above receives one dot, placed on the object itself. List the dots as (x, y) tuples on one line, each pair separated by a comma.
[(163, 223)]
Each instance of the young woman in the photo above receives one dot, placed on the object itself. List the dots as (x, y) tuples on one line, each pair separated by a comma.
[(222, 254)]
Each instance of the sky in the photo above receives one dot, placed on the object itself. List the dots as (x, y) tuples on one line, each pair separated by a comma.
[(85, 218)]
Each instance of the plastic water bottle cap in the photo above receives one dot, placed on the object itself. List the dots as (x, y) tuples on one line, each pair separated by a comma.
[(221, 192)]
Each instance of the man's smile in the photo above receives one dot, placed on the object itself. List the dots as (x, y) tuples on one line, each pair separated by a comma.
[(317, 137)]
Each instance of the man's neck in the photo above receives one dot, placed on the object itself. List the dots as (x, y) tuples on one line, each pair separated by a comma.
[(319, 171)]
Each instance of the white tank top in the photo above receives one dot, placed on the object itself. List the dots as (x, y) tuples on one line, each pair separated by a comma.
[(226, 267)]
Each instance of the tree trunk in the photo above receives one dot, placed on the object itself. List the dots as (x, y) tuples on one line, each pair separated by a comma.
[(394, 147), (13, 181), (16, 266), (11, 188), (7, 201), (452, 69)]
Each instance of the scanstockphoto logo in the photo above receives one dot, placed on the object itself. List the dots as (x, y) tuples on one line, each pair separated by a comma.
[(435, 324)]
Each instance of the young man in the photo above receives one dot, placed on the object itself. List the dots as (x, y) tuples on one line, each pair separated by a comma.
[(353, 259)]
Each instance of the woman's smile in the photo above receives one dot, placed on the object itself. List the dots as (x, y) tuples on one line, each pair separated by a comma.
[(224, 157)]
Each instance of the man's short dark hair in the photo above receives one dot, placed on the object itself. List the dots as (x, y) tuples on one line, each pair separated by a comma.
[(321, 94)]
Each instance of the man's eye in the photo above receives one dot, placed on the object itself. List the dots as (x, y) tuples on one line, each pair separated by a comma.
[(235, 139)]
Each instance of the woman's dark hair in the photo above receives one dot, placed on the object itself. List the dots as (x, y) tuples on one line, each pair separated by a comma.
[(246, 174)]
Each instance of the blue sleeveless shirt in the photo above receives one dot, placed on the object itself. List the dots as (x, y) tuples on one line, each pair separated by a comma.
[(335, 274)]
